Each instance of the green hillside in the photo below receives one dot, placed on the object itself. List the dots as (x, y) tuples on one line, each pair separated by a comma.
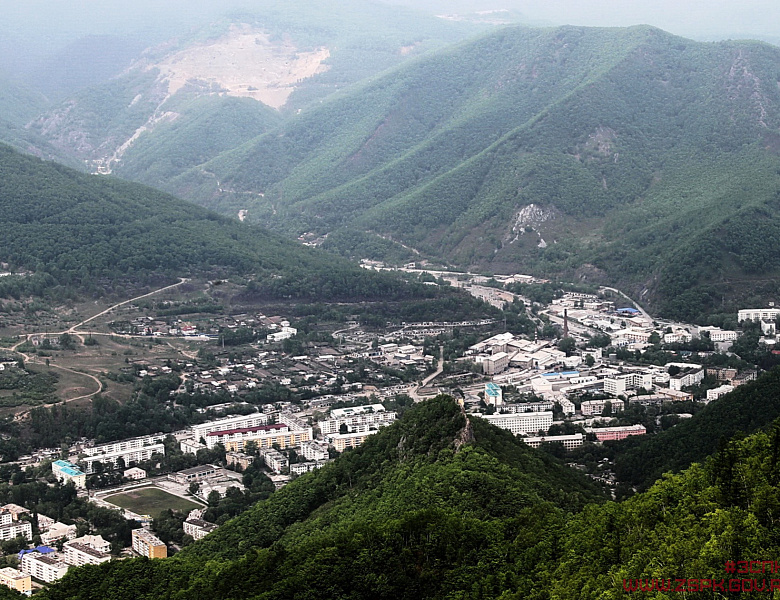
[(644, 159), (68, 232), (419, 511), (409, 515)]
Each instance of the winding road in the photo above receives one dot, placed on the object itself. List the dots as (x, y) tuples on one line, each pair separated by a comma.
[(74, 331)]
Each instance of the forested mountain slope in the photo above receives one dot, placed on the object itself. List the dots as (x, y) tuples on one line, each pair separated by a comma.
[(627, 155), (67, 232), (410, 515)]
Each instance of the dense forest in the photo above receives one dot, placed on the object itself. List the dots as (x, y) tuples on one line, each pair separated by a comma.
[(65, 233), (438, 507)]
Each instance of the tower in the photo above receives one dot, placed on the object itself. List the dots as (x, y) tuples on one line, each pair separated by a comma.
[(565, 322)]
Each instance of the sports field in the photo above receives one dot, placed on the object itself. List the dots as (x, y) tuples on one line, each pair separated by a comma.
[(150, 501)]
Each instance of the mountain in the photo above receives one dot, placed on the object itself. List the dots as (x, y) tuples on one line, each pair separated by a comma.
[(227, 81), (423, 511), (623, 155), (428, 506), (65, 231)]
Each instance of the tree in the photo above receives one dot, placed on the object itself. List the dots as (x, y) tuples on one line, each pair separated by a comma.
[(589, 360), (567, 345), (194, 487)]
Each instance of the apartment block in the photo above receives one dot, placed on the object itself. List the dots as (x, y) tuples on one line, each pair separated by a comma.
[(43, 567), (16, 529), (342, 441), (65, 471), (361, 422), (521, 423), (198, 528), (148, 545), (239, 422), (129, 455), (568, 441), (78, 554), (16, 580), (265, 436)]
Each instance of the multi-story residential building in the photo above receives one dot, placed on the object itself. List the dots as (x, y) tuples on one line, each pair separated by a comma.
[(148, 545), (16, 529), (135, 443), (128, 456), (264, 436), (78, 554), (305, 467), (191, 446), (719, 335), (717, 392), (274, 460), (6, 517), (617, 433), (523, 407), (198, 528), (521, 423), (342, 441), (721, 373), (591, 408), (567, 406), (16, 580), (758, 314), (238, 422), (314, 451), (65, 471), (58, 531), (692, 377), (43, 567), (361, 422), (568, 441), (744, 377), (239, 459)]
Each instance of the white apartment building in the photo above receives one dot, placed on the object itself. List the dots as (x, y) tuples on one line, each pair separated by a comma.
[(619, 384), (129, 455), (567, 406), (124, 445), (342, 441), (716, 393), (78, 554), (678, 382), (568, 441), (677, 337), (264, 436), (305, 467), (16, 529), (43, 567), (522, 407), (314, 451), (358, 423), (274, 460), (758, 314), (521, 423), (238, 422), (198, 528), (720, 335), (596, 407), (65, 472)]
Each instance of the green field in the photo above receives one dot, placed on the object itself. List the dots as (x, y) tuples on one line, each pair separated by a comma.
[(150, 501)]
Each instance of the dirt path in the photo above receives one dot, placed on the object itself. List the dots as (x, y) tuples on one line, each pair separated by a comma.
[(72, 330)]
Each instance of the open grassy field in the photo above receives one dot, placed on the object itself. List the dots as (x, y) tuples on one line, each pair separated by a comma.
[(150, 501)]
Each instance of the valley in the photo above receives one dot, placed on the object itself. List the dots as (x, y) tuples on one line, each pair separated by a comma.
[(389, 300)]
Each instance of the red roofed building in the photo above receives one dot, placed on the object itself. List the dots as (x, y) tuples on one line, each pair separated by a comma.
[(265, 436)]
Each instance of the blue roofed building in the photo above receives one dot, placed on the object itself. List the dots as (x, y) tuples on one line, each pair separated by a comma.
[(494, 395), (66, 471)]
